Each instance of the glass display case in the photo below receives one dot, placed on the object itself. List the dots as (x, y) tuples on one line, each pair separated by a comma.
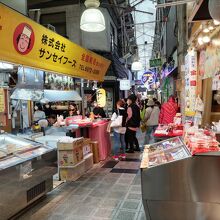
[(15, 150), (28, 168), (164, 152), (180, 185)]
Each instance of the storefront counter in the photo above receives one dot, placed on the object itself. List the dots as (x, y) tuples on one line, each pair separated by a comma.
[(98, 132)]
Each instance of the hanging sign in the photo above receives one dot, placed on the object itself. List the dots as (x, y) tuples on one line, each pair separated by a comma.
[(101, 97), (155, 62), (28, 43), (125, 84), (149, 79), (190, 83)]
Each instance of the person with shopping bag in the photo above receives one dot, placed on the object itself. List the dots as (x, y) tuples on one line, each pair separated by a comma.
[(151, 120), (118, 123)]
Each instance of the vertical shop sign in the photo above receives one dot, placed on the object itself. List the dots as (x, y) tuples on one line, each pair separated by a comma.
[(2, 100), (190, 82)]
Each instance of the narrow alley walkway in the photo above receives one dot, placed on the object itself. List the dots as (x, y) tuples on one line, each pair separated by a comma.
[(109, 191)]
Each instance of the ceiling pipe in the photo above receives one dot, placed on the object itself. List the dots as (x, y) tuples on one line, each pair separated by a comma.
[(169, 4)]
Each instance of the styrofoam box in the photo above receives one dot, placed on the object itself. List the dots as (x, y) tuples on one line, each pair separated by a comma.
[(72, 173), (88, 161), (49, 140)]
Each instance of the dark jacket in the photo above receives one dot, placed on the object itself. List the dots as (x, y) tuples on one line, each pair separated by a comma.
[(134, 121)]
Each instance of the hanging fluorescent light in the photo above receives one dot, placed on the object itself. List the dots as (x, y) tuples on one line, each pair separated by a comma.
[(200, 41), (136, 65), (92, 19), (206, 39)]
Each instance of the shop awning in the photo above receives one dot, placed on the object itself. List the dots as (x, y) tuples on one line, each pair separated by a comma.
[(45, 95), (57, 96), (27, 94)]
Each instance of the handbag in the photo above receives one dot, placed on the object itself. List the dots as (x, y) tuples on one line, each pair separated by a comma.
[(143, 127), (109, 127)]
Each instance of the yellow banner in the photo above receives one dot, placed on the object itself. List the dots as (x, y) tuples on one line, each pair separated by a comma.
[(2, 100), (25, 42)]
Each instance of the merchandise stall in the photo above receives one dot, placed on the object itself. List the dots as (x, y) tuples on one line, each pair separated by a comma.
[(182, 180), (96, 130), (27, 166)]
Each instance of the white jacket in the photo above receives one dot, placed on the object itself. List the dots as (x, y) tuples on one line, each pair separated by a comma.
[(116, 123), (151, 117)]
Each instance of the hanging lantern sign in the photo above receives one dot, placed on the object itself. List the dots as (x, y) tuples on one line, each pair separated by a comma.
[(101, 97), (148, 79)]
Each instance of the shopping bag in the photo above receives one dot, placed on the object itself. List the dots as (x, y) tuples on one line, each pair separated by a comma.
[(199, 106), (109, 127), (143, 127)]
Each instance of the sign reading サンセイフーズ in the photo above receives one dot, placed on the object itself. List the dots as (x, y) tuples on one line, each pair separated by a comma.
[(25, 42)]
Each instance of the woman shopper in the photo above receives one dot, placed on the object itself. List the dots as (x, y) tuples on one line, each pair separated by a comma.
[(132, 123), (118, 122), (151, 120)]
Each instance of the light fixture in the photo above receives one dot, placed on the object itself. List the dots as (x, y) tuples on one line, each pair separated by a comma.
[(206, 39), (211, 28), (205, 28), (200, 41), (216, 22), (92, 19)]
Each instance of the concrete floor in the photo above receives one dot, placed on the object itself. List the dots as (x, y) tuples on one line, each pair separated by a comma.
[(101, 194)]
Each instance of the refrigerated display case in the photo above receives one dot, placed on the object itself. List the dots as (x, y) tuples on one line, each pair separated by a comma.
[(177, 185), (26, 173)]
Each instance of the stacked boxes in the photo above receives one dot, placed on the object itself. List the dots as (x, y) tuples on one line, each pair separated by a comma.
[(74, 158), (70, 153), (87, 153)]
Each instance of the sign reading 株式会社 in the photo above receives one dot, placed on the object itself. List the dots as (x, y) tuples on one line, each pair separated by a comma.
[(28, 43)]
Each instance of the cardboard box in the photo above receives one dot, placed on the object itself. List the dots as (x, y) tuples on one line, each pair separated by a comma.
[(69, 146), (86, 146), (95, 151), (88, 161), (70, 157), (72, 173)]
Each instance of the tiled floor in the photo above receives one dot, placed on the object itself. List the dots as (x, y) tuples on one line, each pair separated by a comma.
[(101, 194)]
